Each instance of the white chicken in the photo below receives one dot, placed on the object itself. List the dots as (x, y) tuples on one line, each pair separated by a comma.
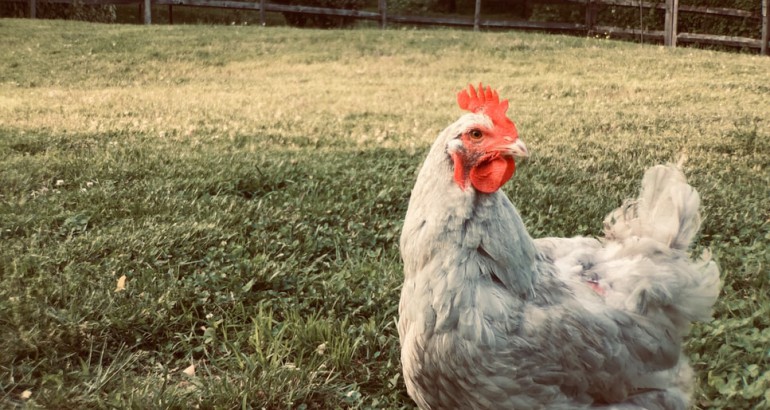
[(491, 319)]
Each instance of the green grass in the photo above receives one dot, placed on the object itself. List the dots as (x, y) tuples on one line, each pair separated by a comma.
[(250, 184)]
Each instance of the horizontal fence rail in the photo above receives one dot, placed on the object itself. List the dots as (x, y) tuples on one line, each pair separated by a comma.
[(670, 36)]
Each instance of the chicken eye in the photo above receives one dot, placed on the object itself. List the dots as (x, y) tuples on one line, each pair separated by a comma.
[(475, 134)]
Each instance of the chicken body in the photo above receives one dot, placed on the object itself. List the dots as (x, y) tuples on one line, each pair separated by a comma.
[(490, 318)]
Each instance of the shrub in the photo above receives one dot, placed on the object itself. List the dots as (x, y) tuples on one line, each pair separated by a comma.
[(48, 10), (653, 19), (321, 21)]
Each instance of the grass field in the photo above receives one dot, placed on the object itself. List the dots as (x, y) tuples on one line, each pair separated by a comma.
[(248, 186)]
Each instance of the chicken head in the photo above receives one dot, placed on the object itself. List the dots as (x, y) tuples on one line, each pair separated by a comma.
[(487, 142)]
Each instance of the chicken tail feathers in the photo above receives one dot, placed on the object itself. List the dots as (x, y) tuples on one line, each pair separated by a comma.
[(699, 301), (666, 210), (660, 226)]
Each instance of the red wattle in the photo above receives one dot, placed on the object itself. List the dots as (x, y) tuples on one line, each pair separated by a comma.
[(488, 176), (459, 174)]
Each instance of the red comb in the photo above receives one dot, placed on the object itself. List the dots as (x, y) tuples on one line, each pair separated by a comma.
[(485, 101)]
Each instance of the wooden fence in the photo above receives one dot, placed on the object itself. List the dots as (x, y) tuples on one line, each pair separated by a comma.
[(669, 35)]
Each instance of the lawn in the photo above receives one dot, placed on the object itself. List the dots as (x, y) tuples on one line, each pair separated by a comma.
[(198, 216)]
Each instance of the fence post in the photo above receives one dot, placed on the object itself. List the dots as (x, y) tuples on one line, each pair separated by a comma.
[(590, 17), (32, 9), (147, 12), (674, 27), (262, 13), (477, 16), (667, 24), (765, 26), (382, 6)]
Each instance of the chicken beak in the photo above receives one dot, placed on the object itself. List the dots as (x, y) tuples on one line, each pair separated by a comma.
[(517, 149)]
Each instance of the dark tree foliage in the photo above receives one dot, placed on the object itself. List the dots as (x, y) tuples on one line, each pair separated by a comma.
[(47, 10), (321, 21), (727, 26), (653, 19), (617, 16)]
